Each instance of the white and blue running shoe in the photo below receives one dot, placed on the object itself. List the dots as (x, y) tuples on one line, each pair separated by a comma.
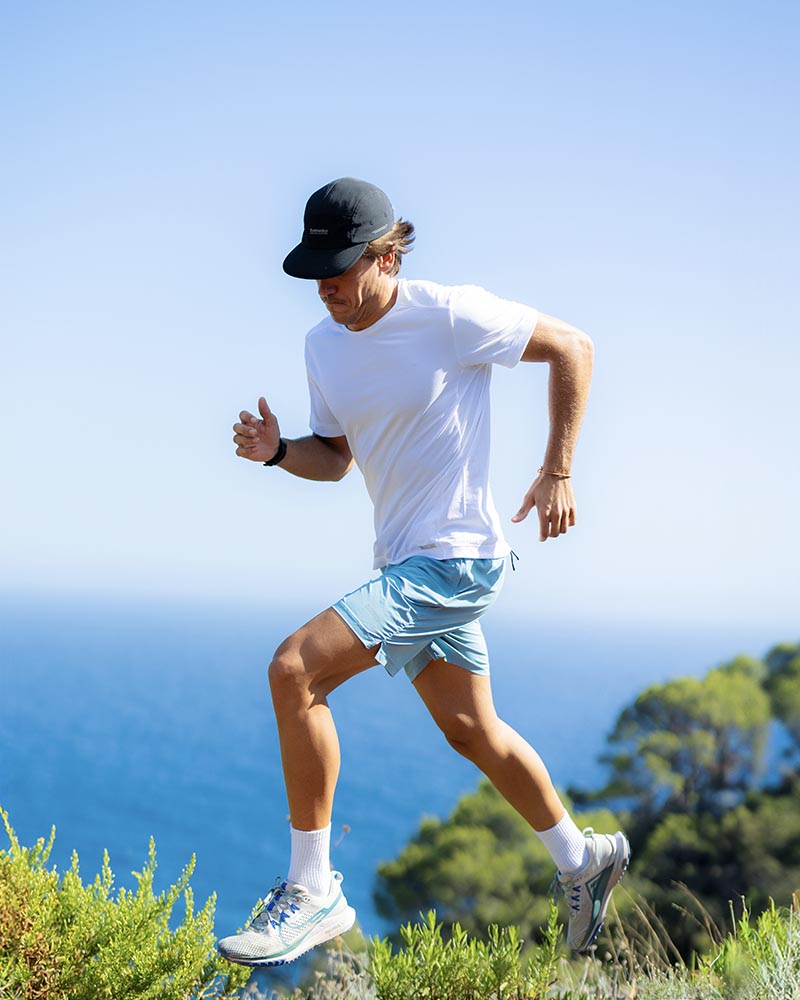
[(588, 891), (288, 923)]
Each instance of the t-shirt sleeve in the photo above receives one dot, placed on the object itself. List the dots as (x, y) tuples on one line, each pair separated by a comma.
[(321, 421), (490, 330)]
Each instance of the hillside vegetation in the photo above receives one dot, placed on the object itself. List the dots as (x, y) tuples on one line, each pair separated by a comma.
[(703, 777)]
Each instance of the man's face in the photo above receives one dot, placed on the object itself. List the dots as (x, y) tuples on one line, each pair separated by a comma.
[(359, 296)]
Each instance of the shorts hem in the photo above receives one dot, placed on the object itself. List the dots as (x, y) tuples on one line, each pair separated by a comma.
[(366, 640)]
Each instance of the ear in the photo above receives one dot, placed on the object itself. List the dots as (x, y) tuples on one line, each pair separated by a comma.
[(386, 262)]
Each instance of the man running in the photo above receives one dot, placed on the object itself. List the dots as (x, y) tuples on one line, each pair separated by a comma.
[(399, 375)]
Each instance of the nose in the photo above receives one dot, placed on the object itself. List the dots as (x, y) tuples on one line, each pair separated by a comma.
[(326, 287)]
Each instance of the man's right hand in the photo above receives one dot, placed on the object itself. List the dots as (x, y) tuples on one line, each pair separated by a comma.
[(257, 439)]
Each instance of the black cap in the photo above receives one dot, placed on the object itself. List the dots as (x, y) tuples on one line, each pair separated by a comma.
[(340, 220)]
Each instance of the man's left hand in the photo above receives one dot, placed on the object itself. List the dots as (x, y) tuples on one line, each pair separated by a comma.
[(555, 503)]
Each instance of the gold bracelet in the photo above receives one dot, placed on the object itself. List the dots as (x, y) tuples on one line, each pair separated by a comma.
[(558, 475)]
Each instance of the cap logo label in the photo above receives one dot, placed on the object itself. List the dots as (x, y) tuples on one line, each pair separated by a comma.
[(317, 232)]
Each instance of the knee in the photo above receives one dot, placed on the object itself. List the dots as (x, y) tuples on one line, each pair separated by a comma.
[(288, 680), (464, 733)]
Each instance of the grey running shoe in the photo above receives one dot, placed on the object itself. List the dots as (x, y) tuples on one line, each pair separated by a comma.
[(288, 923), (588, 890)]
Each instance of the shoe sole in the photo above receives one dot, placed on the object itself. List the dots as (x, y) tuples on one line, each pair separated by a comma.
[(326, 931), (619, 870)]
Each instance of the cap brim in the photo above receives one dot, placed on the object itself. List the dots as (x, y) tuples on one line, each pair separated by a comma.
[(311, 262)]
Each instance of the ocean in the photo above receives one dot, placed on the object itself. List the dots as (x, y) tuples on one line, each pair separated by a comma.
[(125, 720)]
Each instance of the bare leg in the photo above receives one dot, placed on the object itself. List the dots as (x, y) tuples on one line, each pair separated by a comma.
[(306, 667), (462, 706)]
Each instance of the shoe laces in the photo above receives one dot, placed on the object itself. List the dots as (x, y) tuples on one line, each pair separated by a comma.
[(570, 887), (571, 891), (278, 906)]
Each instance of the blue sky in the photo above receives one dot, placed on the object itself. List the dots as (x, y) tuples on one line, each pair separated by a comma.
[(631, 168)]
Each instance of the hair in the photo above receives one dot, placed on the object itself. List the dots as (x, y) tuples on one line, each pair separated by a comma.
[(399, 239)]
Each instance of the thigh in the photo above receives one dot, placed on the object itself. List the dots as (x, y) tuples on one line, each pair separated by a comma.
[(454, 695), (326, 651), (424, 609)]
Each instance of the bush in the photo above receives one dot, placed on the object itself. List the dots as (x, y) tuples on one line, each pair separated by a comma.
[(461, 968), (61, 939), (758, 959)]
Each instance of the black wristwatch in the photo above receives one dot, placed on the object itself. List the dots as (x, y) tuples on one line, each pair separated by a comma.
[(279, 455)]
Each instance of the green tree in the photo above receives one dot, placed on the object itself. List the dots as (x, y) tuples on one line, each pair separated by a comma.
[(691, 744), (783, 686), (481, 866), (694, 866)]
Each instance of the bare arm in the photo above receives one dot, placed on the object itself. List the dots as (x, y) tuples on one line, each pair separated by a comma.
[(569, 352), (312, 457)]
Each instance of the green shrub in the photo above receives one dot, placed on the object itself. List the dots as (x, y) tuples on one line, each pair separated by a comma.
[(63, 940), (760, 958), (429, 967)]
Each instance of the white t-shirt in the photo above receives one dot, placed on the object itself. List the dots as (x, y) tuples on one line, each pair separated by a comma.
[(411, 395)]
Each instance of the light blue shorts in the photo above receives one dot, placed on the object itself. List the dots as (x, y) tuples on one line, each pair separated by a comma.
[(425, 609)]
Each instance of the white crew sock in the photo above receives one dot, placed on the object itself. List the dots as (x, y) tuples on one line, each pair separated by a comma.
[(566, 844), (311, 862)]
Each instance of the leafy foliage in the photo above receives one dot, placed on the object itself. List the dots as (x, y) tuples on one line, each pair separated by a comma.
[(758, 959), (752, 851), (692, 744), (60, 938), (460, 968), (783, 686)]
